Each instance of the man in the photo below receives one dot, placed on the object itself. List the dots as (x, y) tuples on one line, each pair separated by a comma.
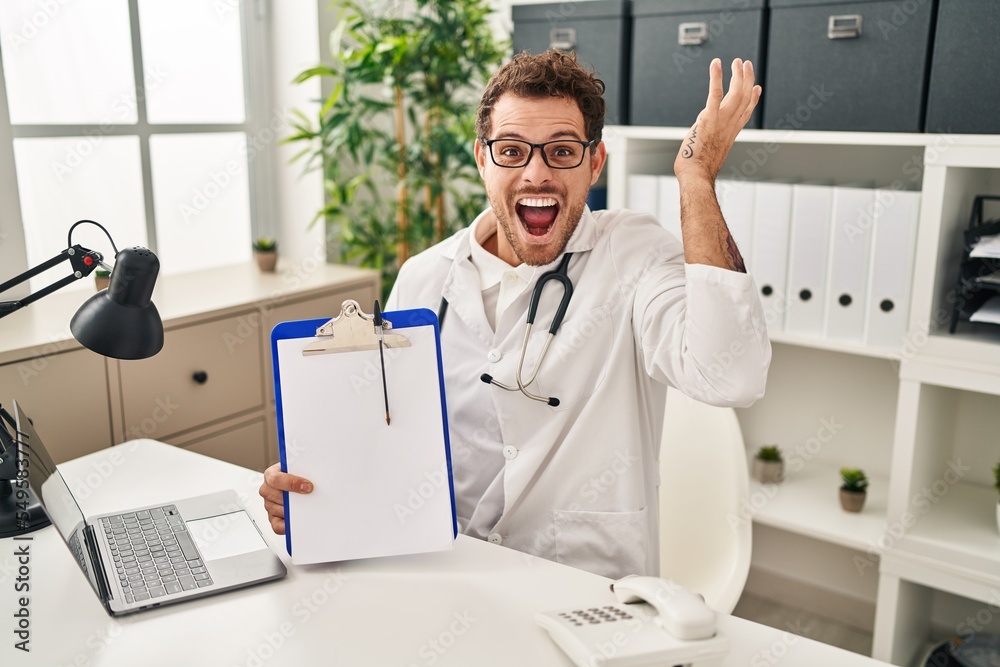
[(572, 476)]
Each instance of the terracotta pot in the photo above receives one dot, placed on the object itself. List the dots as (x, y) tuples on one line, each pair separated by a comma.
[(852, 501), (101, 282), (768, 472), (266, 260)]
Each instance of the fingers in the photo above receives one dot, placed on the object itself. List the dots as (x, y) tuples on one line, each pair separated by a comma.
[(754, 99), (715, 84), (275, 482), (283, 481)]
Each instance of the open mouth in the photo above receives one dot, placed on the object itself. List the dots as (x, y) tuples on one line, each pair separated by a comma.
[(537, 214)]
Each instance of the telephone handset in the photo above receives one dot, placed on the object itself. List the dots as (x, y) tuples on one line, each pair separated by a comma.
[(656, 622)]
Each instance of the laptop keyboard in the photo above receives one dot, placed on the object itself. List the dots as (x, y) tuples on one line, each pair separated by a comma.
[(154, 554)]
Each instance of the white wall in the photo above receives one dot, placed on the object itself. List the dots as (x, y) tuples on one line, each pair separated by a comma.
[(295, 46)]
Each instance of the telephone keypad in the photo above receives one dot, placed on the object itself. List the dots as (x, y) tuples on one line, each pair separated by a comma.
[(595, 615)]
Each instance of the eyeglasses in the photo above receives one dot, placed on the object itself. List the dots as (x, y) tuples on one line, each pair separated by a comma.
[(559, 154)]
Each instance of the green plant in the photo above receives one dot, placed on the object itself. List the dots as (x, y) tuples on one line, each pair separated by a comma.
[(265, 244), (394, 136), (996, 474), (769, 453), (102, 273), (854, 479)]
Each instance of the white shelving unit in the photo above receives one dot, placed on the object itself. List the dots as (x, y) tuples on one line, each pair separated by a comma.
[(921, 418)]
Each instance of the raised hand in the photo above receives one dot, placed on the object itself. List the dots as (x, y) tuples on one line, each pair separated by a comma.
[(709, 140)]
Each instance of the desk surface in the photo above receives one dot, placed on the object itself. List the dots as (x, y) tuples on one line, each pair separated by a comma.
[(473, 605)]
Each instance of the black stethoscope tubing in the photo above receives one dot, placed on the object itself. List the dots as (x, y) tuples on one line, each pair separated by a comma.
[(558, 274)]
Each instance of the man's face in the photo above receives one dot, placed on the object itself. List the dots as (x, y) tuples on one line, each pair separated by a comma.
[(537, 207)]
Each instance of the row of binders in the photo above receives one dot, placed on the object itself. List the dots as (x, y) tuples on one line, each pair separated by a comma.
[(833, 262)]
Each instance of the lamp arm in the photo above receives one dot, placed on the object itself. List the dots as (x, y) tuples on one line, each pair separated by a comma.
[(83, 261)]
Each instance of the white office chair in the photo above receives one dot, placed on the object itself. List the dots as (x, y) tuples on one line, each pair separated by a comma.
[(704, 540)]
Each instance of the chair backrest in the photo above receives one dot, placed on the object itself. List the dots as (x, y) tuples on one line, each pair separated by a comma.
[(705, 540)]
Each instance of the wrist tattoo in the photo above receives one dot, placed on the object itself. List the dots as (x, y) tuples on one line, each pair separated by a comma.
[(688, 151)]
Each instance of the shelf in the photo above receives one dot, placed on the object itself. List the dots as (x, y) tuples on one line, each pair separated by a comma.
[(958, 368), (834, 345), (811, 137), (806, 503), (955, 545)]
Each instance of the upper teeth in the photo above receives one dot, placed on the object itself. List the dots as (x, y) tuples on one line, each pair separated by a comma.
[(537, 202)]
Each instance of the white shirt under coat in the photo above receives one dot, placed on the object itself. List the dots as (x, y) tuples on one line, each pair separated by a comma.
[(577, 483)]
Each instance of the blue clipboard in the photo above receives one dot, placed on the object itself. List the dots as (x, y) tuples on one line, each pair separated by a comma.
[(379, 489)]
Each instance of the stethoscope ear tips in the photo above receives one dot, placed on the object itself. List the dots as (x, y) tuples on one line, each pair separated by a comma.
[(487, 378), (553, 401)]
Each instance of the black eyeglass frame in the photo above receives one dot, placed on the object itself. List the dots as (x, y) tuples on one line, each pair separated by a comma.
[(541, 149)]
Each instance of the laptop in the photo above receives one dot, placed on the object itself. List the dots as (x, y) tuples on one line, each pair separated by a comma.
[(147, 557)]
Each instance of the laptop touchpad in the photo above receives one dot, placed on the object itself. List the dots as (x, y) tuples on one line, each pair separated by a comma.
[(226, 535)]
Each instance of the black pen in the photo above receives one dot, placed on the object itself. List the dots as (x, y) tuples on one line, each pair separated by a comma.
[(381, 358)]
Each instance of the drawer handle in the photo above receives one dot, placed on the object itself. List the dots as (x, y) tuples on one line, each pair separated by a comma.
[(845, 26), (563, 39), (692, 34), (201, 377)]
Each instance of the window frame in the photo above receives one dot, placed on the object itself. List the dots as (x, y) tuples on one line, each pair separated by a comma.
[(254, 28)]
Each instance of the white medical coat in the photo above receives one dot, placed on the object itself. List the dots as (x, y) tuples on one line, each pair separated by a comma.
[(580, 480)]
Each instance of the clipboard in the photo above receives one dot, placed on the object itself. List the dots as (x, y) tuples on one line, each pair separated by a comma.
[(379, 489)]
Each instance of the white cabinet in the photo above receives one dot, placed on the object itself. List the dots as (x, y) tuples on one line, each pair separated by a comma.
[(208, 390), (920, 417)]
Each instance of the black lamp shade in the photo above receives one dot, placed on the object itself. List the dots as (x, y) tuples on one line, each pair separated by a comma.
[(121, 321)]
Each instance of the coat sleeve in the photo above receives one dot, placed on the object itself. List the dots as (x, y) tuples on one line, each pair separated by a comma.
[(699, 328)]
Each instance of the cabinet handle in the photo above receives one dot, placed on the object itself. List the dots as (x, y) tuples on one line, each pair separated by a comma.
[(692, 34), (846, 26), (845, 300), (767, 290), (805, 295), (886, 305), (562, 39), (201, 377)]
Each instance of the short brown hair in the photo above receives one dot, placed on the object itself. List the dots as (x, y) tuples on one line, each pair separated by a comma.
[(550, 74)]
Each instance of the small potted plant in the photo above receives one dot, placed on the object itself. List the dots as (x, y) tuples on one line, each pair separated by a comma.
[(265, 251), (102, 278), (853, 489), (768, 465)]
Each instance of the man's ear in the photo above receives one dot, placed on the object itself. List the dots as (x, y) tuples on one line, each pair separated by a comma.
[(480, 152), (597, 161)]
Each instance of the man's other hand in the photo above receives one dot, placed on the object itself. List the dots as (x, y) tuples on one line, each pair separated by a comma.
[(275, 482)]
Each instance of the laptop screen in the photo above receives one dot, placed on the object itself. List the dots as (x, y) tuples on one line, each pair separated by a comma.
[(53, 494)]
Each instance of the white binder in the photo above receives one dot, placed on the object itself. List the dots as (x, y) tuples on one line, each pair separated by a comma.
[(643, 194), (670, 206), (736, 201), (772, 218), (893, 249), (850, 251), (807, 259)]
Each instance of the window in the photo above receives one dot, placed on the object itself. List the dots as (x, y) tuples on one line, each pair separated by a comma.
[(141, 115)]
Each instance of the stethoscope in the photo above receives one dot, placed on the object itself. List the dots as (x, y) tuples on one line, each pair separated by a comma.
[(558, 274)]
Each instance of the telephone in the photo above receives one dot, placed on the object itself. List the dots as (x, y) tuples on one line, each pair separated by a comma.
[(656, 622)]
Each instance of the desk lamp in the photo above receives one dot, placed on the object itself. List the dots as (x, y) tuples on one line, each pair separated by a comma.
[(120, 321)]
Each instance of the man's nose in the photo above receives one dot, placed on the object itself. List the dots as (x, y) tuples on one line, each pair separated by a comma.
[(537, 170)]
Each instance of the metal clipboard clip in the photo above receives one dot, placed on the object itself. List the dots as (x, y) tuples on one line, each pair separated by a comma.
[(351, 331)]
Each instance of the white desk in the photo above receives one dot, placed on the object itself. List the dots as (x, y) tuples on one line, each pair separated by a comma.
[(470, 606)]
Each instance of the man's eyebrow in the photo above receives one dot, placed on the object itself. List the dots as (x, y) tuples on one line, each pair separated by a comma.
[(555, 136)]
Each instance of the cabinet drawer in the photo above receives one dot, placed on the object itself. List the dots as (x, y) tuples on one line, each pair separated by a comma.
[(243, 446), (66, 395), (205, 372)]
